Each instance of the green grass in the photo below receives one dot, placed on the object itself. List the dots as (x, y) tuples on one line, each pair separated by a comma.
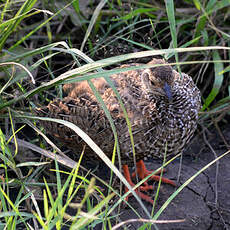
[(31, 45)]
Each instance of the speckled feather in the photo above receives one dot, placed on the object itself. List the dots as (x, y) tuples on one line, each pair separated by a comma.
[(155, 119)]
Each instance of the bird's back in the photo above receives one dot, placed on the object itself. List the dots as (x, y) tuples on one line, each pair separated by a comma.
[(156, 122)]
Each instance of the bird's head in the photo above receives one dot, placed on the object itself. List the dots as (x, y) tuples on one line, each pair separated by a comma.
[(158, 80)]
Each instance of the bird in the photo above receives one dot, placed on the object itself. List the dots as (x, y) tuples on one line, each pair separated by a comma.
[(162, 106)]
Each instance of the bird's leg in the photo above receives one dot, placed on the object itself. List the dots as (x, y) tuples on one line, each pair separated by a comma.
[(143, 188), (142, 172)]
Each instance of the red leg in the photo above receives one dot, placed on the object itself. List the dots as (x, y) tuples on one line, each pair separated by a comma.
[(144, 188), (142, 172)]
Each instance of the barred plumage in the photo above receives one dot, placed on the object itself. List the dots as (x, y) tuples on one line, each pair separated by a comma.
[(155, 119), (161, 104)]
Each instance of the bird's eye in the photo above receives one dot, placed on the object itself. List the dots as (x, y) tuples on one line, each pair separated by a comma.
[(152, 83)]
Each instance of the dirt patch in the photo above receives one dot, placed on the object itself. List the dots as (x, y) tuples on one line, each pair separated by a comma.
[(204, 203)]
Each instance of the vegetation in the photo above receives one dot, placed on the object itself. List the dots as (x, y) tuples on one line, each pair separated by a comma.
[(45, 44)]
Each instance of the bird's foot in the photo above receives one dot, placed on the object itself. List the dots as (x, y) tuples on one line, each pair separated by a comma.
[(139, 193), (144, 188), (142, 172)]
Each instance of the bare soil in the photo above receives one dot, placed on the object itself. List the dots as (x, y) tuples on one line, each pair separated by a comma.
[(205, 202)]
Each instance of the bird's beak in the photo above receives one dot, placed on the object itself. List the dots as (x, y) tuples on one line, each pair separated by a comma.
[(168, 91)]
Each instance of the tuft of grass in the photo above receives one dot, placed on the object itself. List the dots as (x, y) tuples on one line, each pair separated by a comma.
[(193, 37)]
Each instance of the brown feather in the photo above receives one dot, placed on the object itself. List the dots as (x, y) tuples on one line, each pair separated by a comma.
[(155, 120)]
